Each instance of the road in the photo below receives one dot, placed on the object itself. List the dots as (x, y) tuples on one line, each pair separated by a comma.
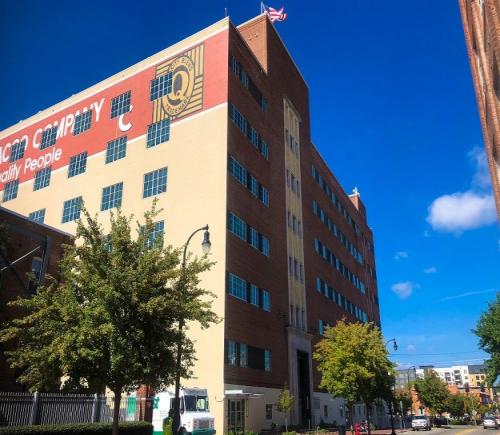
[(462, 430), (451, 430)]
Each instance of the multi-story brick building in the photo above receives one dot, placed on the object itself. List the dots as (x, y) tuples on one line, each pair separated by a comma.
[(481, 21), (31, 250), (217, 128)]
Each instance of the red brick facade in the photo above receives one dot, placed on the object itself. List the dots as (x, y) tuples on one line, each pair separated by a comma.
[(481, 21), (41, 243)]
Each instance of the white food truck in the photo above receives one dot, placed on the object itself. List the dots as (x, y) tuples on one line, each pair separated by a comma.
[(195, 414)]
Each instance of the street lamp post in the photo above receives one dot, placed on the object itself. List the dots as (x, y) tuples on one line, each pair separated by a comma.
[(391, 405), (395, 345), (206, 249)]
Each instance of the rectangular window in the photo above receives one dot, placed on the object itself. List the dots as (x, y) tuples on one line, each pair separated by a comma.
[(158, 133), (71, 209), (17, 151), (161, 86), (237, 287), (112, 196), (237, 171), (265, 246), (83, 122), (264, 195), (77, 164), (155, 182), (116, 149), (37, 216), (267, 360), (42, 178), (231, 352), (254, 238), (157, 233), (48, 137), (253, 185), (254, 295), (237, 226), (10, 190), (269, 411), (120, 104), (243, 355), (321, 327), (266, 301)]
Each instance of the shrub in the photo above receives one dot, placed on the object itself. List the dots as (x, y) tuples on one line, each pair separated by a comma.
[(129, 428)]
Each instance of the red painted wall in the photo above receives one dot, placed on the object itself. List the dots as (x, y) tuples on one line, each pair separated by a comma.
[(103, 128)]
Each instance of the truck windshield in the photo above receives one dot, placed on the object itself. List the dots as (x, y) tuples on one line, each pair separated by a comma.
[(196, 403)]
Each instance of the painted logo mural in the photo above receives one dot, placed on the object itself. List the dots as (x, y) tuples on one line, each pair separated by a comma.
[(194, 86), (186, 94)]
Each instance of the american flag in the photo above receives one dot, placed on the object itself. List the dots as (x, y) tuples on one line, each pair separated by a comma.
[(274, 14)]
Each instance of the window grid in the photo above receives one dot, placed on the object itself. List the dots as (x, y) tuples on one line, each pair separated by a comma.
[(161, 86), (237, 226), (237, 287), (37, 216), (156, 233), (248, 234), (10, 190), (330, 258), (17, 151), (120, 104), (241, 122), (116, 149), (158, 132), (48, 137), (42, 178), (77, 164), (112, 196), (83, 121), (248, 180), (339, 299), (155, 182), (71, 209), (254, 295)]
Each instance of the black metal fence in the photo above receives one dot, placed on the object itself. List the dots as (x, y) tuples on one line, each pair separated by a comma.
[(17, 409)]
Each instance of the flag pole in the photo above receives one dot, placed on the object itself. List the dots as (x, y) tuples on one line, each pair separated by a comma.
[(261, 7)]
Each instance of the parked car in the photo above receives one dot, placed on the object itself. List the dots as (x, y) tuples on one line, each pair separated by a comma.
[(421, 422), (440, 421), (490, 423)]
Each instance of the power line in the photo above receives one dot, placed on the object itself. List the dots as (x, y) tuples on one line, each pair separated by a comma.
[(434, 354)]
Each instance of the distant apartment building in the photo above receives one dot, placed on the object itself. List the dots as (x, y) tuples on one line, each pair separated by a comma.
[(481, 22), (217, 127), (31, 251), (405, 377)]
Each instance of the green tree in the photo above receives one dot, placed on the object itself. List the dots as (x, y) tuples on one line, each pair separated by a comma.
[(353, 362), (112, 319), (285, 403), (403, 400), (488, 331), (3, 243), (433, 393), (456, 405)]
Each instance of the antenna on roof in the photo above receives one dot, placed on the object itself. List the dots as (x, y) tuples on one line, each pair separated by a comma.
[(225, 12)]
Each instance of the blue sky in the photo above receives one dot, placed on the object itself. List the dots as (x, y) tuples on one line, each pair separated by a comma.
[(392, 111)]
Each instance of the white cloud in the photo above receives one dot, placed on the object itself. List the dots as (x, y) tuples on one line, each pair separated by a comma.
[(461, 211), (411, 348), (400, 255), (481, 177), (474, 208), (431, 269), (404, 289)]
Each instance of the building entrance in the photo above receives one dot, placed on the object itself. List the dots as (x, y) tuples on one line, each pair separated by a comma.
[(236, 415), (304, 388)]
